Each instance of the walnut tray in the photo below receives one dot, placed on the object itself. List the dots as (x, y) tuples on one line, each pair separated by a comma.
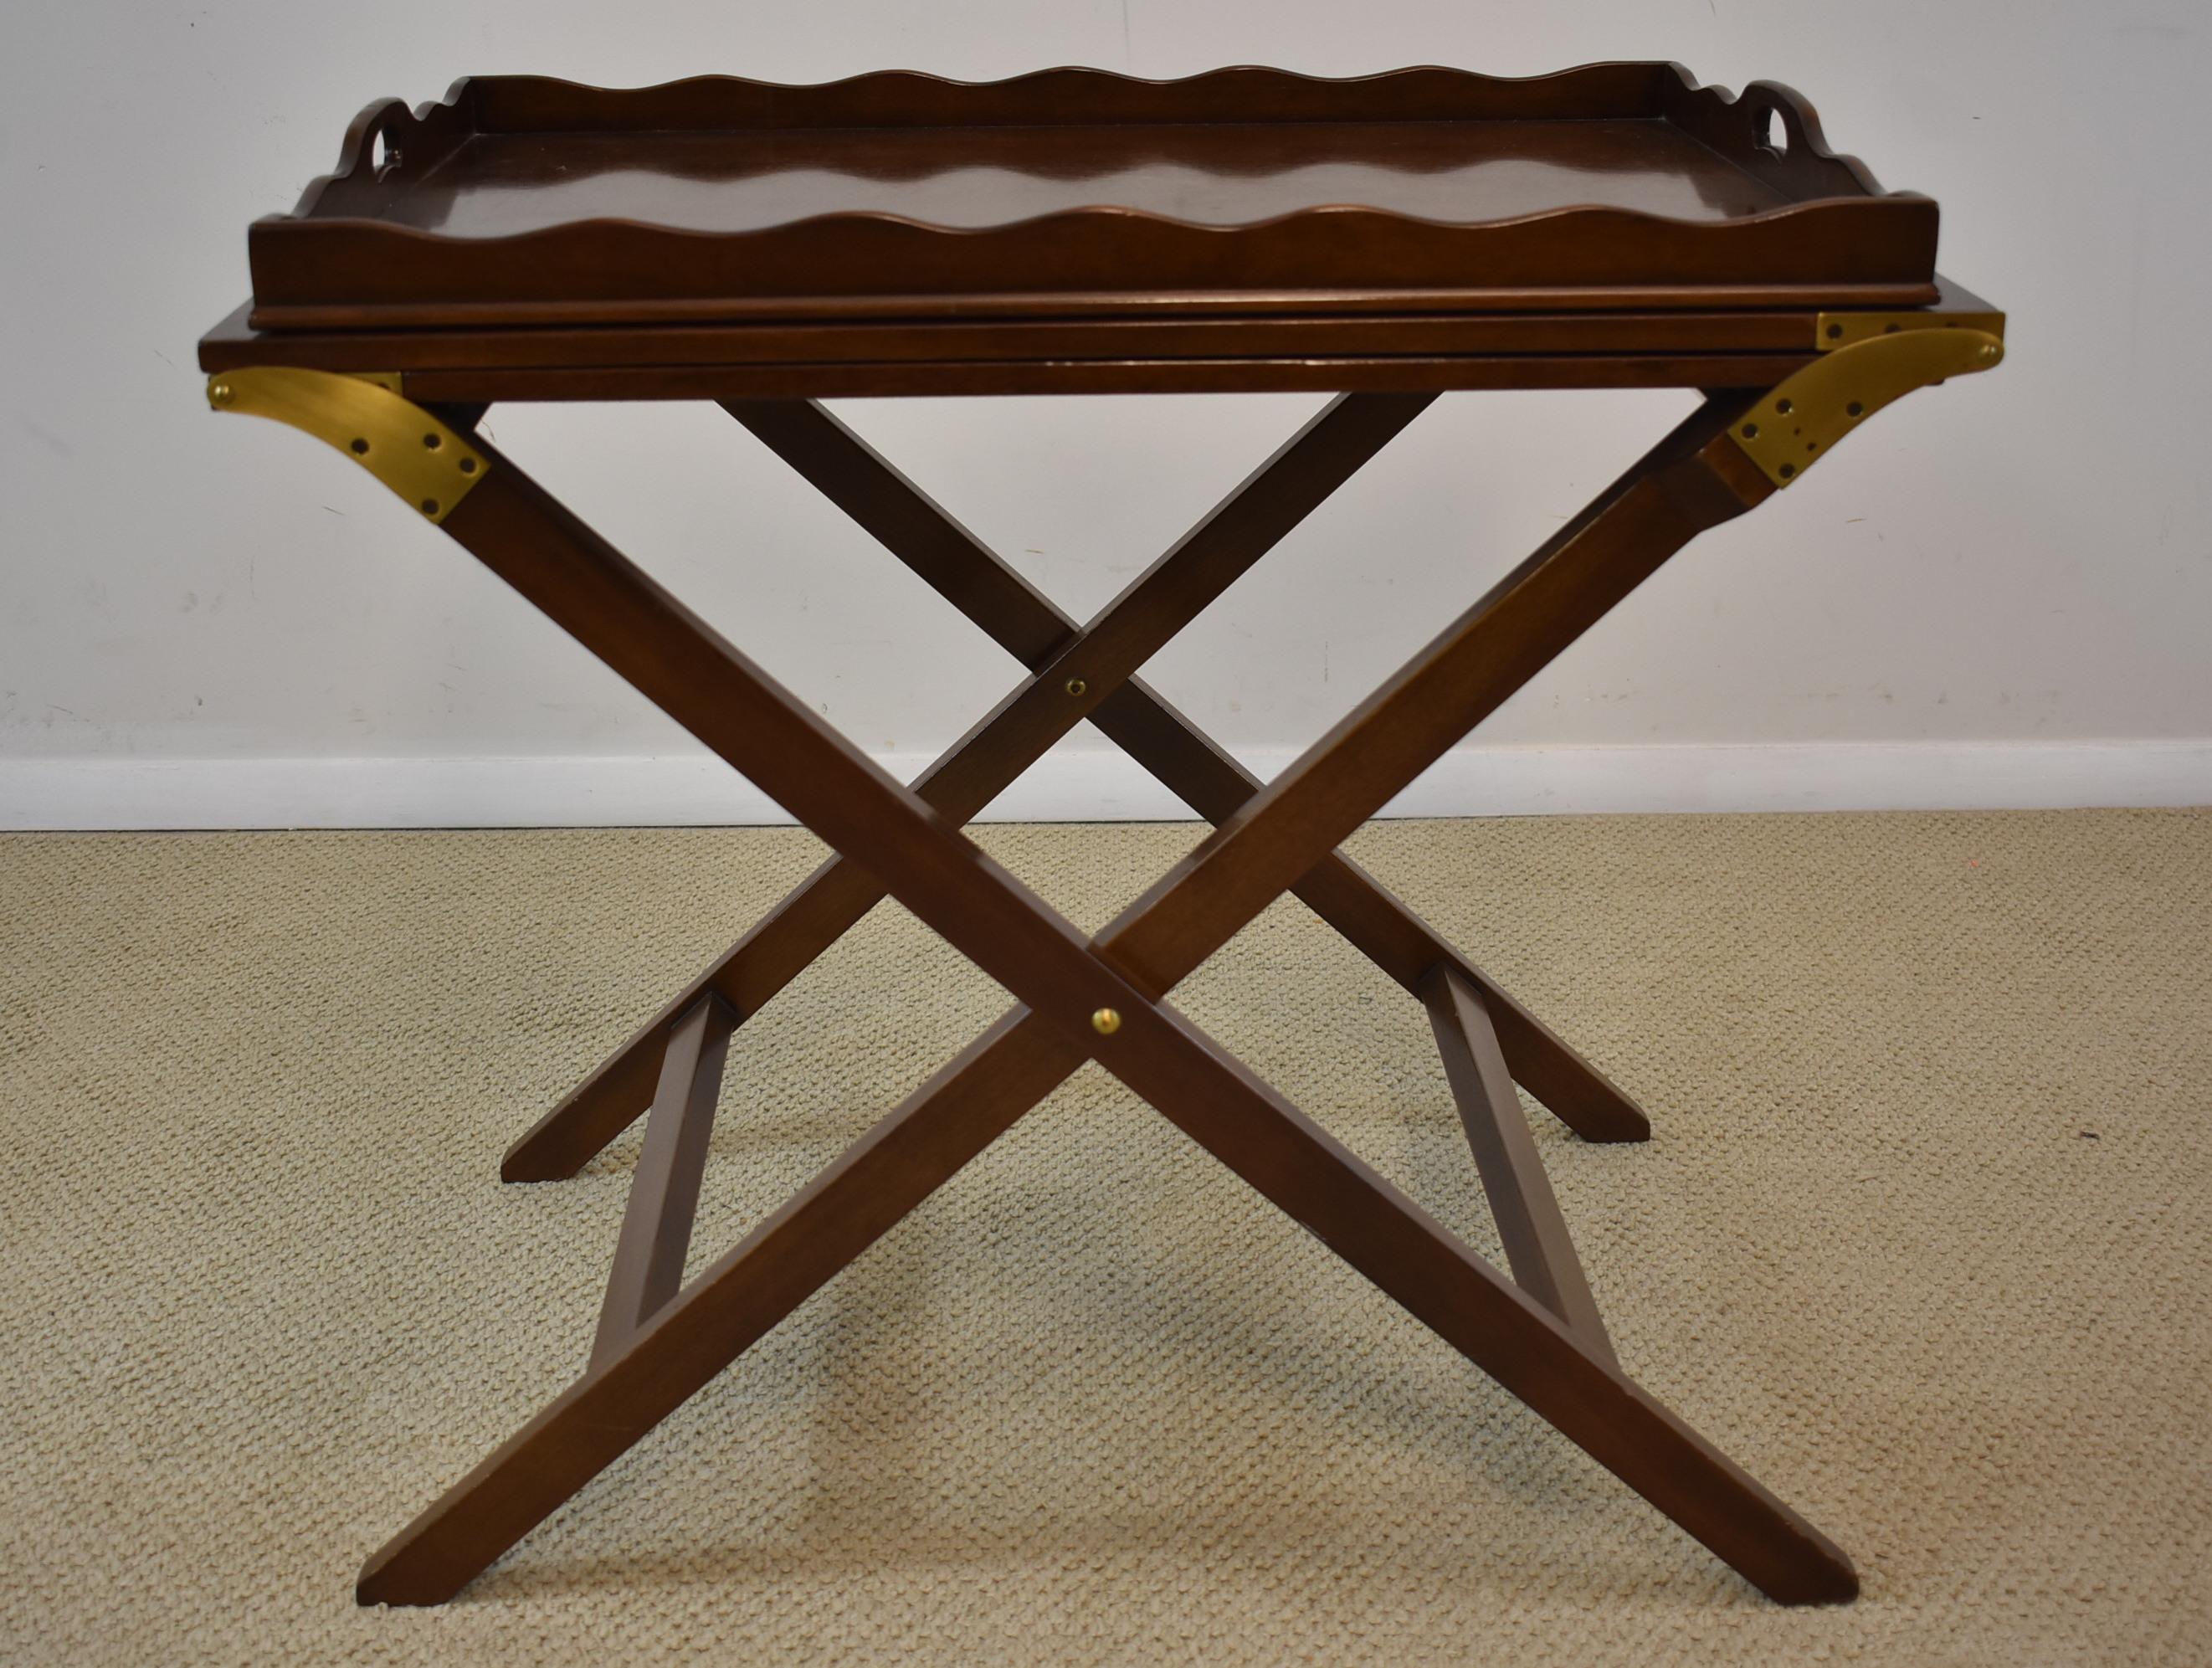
[(523, 200)]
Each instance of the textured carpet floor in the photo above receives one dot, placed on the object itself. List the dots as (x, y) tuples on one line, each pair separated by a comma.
[(1923, 1240)]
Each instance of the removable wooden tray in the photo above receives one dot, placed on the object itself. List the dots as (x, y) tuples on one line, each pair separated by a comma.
[(1072, 192)]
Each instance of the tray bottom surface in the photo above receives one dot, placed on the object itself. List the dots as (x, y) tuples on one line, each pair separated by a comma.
[(497, 185)]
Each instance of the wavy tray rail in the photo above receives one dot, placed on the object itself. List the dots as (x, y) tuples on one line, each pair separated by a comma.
[(1781, 218)]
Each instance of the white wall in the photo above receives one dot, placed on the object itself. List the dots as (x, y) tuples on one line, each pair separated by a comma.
[(1998, 595)]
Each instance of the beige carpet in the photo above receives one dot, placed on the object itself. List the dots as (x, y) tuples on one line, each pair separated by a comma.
[(1924, 1241)]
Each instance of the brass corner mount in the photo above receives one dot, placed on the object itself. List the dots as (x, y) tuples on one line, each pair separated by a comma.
[(1879, 359), (367, 418)]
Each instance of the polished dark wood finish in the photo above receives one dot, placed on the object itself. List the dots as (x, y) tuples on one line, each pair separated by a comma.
[(951, 560), (525, 200), (1538, 1248), (1411, 374), (724, 1311), (1373, 921), (1070, 676), (1259, 334), (664, 1190), (1753, 347), (1692, 480), (1384, 239), (785, 748), (725, 180)]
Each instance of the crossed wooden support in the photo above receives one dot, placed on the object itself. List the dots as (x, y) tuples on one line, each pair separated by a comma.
[(1078, 672), (1103, 998)]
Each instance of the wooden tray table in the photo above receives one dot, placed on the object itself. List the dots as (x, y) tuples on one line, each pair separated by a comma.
[(1386, 238)]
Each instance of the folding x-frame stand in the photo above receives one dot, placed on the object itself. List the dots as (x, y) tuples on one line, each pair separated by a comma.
[(1103, 998)]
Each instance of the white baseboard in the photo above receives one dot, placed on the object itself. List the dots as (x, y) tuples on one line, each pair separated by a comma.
[(1094, 786)]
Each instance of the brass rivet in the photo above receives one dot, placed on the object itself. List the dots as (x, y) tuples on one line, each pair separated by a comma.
[(1106, 1022), (1751, 431), (1787, 471), (1834, 330), (1855, 409), (1990, 350), (1075, 686), (431, 443), (1784, 407), (429, 507), (360, 447), (468, 466), (220, 393)]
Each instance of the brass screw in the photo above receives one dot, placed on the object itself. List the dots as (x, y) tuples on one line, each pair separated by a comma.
[(1075, 686), (219, 394), (1106, 1022), (1990, 350)]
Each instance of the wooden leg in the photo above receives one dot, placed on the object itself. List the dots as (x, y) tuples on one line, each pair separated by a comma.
[(1692, 481), (949, 558), (1684, 485), (1273, 1146), (1561, 1373), (842, 1212)]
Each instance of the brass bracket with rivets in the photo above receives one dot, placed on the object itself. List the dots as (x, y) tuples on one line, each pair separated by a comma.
[(428, 462), (1796, 422)]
